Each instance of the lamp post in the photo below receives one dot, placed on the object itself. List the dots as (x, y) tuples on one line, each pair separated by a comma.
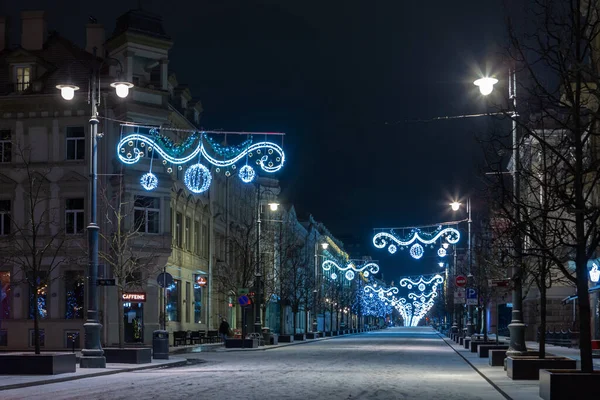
[(324, 246), (92, 353), (455, 206), (273, 206), (516, 326)]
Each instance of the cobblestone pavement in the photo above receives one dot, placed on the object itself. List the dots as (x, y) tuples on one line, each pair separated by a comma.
[(396, 363)]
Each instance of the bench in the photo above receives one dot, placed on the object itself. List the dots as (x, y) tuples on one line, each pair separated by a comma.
[(180, 337)]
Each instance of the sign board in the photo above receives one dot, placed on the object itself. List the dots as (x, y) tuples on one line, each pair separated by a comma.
[(498, 282), (105, 282), (459, 296), (461, 281), (244, 300), (201, 281), (137, 297), (471, 297), (164, 279), (242, 291)]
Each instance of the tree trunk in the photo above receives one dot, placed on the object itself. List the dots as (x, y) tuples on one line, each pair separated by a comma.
[(281, 317), (36, 316), (484, 320), (542, 344), (294, 321), (120, 317), (585, 334)]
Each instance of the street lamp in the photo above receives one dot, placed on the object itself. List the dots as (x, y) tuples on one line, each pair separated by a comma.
[(455, 206), (324, 246), (92, 354), (516, 326)]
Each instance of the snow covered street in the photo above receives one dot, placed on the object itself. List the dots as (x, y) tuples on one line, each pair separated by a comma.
[(396, 363)]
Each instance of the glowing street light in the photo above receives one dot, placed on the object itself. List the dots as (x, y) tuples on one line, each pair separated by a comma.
[(486, 85)]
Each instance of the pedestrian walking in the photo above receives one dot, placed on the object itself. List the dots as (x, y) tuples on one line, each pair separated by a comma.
[(224, 330)]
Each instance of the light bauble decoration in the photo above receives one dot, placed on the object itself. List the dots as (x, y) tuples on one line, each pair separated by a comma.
[(197, 178)]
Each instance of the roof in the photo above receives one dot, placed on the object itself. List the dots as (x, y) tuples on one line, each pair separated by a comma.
[(143, 22)]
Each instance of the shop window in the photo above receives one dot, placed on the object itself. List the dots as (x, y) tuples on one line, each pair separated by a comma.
[(74, 294), (74, 216), (179, 230), (72, 339), (32, 338), (199, 282), (75, 143), (4, 217), (5, 146), (187, 301), (188, 233), (147, 214), (42, 293), (5, 295), (133, 322), (173, 296), (3, 337)]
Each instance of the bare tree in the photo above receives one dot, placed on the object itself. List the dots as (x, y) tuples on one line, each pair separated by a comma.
[(130, 253), (39, 245)]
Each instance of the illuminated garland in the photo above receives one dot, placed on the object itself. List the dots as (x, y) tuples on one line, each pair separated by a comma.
[(383, 239), (133, 147), (351, 270)]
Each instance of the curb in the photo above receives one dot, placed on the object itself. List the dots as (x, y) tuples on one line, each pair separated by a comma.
[(181, 363)]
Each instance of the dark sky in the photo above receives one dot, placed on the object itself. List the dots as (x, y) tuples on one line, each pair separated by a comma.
[(340, 78)]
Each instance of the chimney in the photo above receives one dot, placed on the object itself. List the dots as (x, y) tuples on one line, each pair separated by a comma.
[(95, 38), (33, 31), (3, 33)]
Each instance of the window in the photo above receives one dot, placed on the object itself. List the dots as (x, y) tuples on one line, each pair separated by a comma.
[(4, 295), (22, 78), (32, 338), (178, 230), (42, 292), (147, 214), (205, 240), (197, 299), (74, 216), (197, 237), (5, 146), (173, 295), (74, 300), (4, 217), (188, 233), (3, 337), (187, 301), (72, 339), (75, 143)]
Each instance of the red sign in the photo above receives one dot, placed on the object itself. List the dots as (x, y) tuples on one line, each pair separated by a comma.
[(201, 281), (461, 281), (139, 297)]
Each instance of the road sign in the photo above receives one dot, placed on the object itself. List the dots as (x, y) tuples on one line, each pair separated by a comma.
[(471, 297), (461, 281), (244, 300), (242, 291), (105, 282), (498, 282), (164, 279), (459, 296)]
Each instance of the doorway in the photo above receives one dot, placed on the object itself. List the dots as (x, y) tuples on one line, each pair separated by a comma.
[(133, 318)]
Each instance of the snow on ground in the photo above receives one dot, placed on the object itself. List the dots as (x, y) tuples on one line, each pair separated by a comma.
[(396, 363)]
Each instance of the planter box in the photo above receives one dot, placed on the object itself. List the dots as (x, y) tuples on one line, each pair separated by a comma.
[(467, 342), (300, 337), (327, 334), (274, 339), (520, 368), (334, 333), (37, 364), (312, 335), (461, 341), (559, 384), (475, 344), (483, 350), (496, 357), (134, 355), (241, 343), (286, 338)]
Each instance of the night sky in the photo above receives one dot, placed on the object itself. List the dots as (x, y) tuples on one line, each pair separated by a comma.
[(341, 79)]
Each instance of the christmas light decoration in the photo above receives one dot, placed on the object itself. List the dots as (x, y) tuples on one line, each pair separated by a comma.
[(441, 252), (132, 148), (367, 268), (349, 275), (416, 238), (594, 273), (149, 181), (197, 178)]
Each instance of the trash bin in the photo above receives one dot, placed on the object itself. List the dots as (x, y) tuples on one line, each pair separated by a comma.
[(160, 345), (267, 335)]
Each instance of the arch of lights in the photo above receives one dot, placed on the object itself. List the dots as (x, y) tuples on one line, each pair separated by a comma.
[(350, 269), (416, 240), (419, 301), (195, 149)]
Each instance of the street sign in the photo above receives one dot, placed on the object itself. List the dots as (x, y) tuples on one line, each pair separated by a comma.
[(242, 291), (244, 300), (164, 279), (498, 282), (461, 281), (471, 297), (459, 296), (105, 282)]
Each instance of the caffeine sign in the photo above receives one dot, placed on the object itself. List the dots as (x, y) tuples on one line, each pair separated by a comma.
[(139, 297)]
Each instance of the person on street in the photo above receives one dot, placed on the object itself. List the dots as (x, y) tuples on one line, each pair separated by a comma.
[(224, 330)]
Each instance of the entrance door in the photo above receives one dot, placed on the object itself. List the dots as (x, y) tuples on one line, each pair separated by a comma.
[(133, 317)]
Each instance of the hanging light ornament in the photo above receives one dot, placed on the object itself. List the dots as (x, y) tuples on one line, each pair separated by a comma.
[(349, 275), (441, 252), (149, 181), (416, 251), (197, 178), (246, 174)]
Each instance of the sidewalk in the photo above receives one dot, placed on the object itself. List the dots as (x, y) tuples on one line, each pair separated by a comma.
[(19, 381), (496, 376)]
